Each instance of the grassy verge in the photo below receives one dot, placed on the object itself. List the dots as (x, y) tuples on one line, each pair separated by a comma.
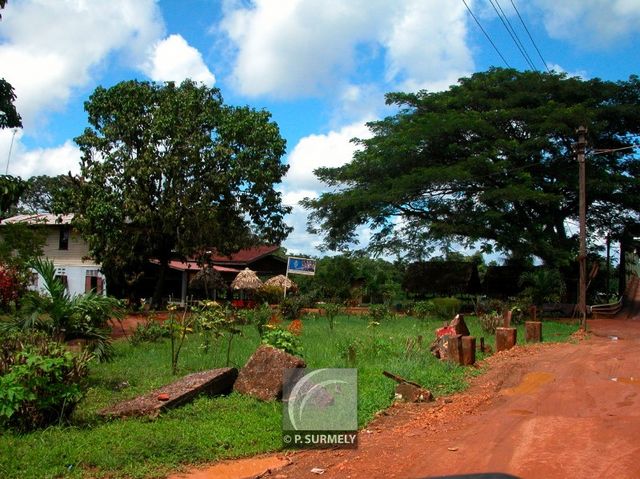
[(210, 429)]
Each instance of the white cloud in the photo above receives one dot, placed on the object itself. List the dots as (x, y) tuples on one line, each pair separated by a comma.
[(50, 47), (313, 151), (173, 59), (332, 149), (288, 48), (40, 161), (597, 23)]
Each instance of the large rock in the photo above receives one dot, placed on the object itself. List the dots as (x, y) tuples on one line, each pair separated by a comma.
[(261, 377), (460, 327), (215, 381)]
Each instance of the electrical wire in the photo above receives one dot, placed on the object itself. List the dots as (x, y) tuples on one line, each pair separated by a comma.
[(486, 35), (611, 150), (530, 37), (512, 33)]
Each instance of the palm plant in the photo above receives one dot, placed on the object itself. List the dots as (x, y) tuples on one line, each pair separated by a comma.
[(543, 285), (65, 317)]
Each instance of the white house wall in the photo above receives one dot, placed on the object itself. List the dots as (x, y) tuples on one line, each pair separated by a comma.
[(76, 278)]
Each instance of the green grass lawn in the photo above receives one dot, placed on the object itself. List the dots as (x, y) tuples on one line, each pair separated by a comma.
[(210, 429)]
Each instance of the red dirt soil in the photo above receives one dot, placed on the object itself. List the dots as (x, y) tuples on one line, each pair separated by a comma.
[(550, 411)]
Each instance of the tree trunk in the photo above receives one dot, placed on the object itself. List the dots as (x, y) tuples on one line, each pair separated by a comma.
[(158, 292)]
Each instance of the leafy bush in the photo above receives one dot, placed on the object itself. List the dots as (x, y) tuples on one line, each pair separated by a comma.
[(66, 317), (149, 331), (543, 285), (423, 309), (214, 321), (379, 312), (284, 340), (290, 307), (270, 294), (12, 286), (490, 321), (259, 317), (40, 381), (331, 311), (446, 308)]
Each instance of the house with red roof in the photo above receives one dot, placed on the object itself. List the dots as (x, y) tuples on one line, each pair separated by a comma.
[(263, 260)]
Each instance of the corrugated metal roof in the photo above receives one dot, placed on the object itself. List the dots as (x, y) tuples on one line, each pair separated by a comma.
[(246, 255), (39, 219)]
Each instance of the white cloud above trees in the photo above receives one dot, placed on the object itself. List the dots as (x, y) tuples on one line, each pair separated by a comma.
[(294, 48), (173, 59), (56, 46)]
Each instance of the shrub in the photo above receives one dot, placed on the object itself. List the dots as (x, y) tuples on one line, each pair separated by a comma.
[(379, 312), (290, 307), (331, 311), (284, 340), (12, 286), (543, 285), (423, 309), (446, 308), (260, 316), (149, 331), (490, 321), (270, 294), (40, 381)]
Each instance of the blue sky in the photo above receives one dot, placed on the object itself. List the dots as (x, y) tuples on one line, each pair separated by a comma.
[(320, 66)]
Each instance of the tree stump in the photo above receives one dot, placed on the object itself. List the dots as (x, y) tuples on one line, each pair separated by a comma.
[(505, 338), (454, 348), (468, 350), (533, 331), (506, 318)]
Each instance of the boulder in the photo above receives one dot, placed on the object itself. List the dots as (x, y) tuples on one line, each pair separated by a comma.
[(459, 325), (262, 376)]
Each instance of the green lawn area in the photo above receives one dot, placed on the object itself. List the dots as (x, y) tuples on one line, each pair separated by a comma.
[(210, 429)]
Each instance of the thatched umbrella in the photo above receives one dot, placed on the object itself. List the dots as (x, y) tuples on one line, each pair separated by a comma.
[(282, 282), (208, 279), (246, 279)]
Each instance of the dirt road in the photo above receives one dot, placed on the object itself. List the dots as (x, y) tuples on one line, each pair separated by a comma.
[(545, 411)]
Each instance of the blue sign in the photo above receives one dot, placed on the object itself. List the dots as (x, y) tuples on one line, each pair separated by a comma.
[(301, 266)]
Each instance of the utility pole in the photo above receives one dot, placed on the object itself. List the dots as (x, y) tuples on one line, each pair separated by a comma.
[(582, 255)]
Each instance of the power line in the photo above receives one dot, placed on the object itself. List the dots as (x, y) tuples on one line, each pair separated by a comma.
[(486, 35), (611, 150), (530, 37), (512, 33)]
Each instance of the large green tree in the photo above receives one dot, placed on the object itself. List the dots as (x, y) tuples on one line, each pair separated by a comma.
[(171, 170), (490, 160)]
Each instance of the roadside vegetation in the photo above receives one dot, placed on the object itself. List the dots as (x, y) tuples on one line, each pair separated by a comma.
[(210, 429)]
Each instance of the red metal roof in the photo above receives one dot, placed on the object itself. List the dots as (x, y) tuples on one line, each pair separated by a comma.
[(245, 256)]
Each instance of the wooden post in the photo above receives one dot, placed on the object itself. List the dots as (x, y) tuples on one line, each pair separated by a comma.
[(533, 312), (505, 338), (468, 350), (533, 331), (506, 318), (454, 348)]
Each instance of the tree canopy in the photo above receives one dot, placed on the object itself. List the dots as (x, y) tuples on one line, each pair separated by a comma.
[(171, 170), (490, 160), (9, 116)]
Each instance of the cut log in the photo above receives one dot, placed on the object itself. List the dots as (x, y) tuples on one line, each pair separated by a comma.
[(505, 338), (533, 331), (468, 350), (455, 349)]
